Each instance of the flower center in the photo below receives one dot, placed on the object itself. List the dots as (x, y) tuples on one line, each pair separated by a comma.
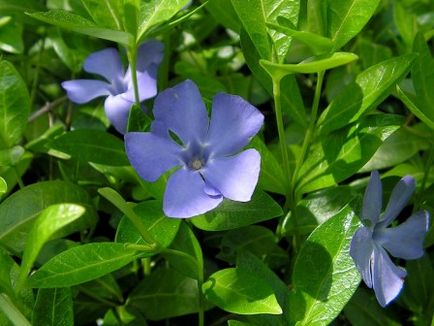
[(196, 164)]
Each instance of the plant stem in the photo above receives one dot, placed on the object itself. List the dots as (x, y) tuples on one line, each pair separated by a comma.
[(36, 77), (281, 132), (19, 179), (12, 312), (133, 64)]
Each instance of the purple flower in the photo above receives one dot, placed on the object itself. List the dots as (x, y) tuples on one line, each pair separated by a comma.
[(371, 241), (210, 164), (118, 85)]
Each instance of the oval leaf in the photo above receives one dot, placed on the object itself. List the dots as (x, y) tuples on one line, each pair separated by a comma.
[(53, 307)]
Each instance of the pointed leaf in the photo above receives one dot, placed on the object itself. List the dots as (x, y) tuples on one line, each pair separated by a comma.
[(53, 307)]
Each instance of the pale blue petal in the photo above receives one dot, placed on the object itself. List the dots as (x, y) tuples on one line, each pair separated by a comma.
[(147, 87), (84, 90), (117, 110), (387, 278), (372, 201), (361, 250), (151, 155), (181, 110), (185, 196), (148, 54), (106, 63), (235, 176), (406, 240), (234, 122)]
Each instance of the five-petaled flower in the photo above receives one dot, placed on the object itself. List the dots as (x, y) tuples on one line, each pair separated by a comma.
[(210, 164), (118, 86), (370, 242)]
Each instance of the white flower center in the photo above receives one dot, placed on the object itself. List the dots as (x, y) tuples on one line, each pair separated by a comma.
[(196, 164)]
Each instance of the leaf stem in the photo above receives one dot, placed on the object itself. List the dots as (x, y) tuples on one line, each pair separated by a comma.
[(12, 312), (133, 65)]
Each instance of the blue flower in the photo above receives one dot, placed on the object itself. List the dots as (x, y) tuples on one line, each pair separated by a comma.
[(372, 242), (118, 85), (210, 164)]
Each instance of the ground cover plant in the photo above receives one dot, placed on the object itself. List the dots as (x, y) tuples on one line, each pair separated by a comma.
[(216, 162)]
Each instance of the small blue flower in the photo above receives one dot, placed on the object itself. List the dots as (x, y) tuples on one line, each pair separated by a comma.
[(371, 241), (118, 85), (210, 164)]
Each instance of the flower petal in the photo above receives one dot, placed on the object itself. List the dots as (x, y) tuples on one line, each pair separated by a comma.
[(372, 201), (185, 197), (106, 63), (399, 198), (406, 240), (182, 110), (147, 87), (387, 278), (235, 176), (361, 249), (84, 90), (151, 155), (149, 53), (233, 122), (117, 110)]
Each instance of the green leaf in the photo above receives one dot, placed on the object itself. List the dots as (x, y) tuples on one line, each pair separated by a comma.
[(105, 13), (14, 105), (50, 220), (12, 312), (232, 215), (324, 276), (185, 253), (236, 291), (155, 12), (31, 200), (309, 66), (254, 14), (410, 102), (369, 88), (405, 22), (91, 146), (342, 153), (346, 18), (3, 186), (131, 9), (223, 12), (76, 23), (156, 223), (137, 119), (166, 293), (53, 307), (84, 263), (11, 37)]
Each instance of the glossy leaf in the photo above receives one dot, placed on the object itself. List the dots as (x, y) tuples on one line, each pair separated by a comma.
[(232, 215), (32, 200), (105, 13), (84, 263), (410, 102), (50, 220), (156, 223), (91, 146), (3, 186), (370, 88), (166, 288), (308, 66), (254, 15), (324, 276), (76, 23), (53, 307), (237, 291), (346, 18), (14, 105)]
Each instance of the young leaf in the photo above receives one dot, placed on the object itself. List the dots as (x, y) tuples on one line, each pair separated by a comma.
[(324, 276), (106, 13), (53, 307), (232, 215), (76, 23), (84, 263), (91, 146), (14, 105), (410, 102), (254, 14), (368, 89), (31, 200), (50, 220), (346, 18), (234, 290), (167, 288)]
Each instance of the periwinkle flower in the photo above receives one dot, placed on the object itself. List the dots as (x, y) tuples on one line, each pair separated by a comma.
[(210, 164), (118, 85), (372, 242)]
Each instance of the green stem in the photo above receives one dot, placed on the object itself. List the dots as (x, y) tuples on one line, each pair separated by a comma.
[(309, 133), (133, 64), (281, 132), (36, 77), (12, 312), (146, 266), (17, 175)]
